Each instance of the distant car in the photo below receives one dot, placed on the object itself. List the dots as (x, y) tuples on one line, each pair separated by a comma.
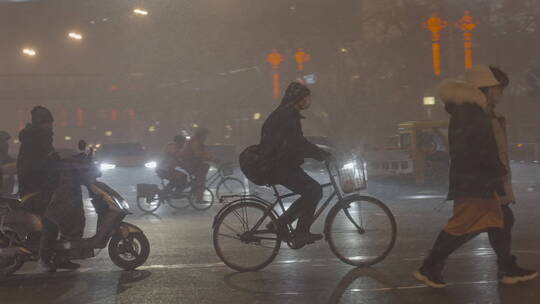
[(110, 156)]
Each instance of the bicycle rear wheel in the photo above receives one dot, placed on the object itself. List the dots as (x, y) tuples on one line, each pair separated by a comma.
[(360, 230), (148, 204), (205, 203), (230, 186), (237, 245)]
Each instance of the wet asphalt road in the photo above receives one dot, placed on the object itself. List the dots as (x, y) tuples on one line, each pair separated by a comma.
[(183, 267)]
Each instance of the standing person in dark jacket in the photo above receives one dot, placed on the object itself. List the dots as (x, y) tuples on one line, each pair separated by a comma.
[(479, 171), (283, 142), (38, 170), (4, 147), (6, 165)]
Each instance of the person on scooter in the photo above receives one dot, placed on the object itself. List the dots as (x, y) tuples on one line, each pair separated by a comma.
[(194, 160), (283, 142), (38, 170), (170, 160)]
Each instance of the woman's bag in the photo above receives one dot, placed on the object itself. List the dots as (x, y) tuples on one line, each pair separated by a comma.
[(255, 166)]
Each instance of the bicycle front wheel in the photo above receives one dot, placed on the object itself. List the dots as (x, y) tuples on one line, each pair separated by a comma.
[(179, 200), (361, 230), (230, 186), (238, 244)]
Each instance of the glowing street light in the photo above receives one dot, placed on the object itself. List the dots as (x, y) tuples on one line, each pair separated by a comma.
[(435, 25), (467, 25), (275, 60), (29, 52), (429, 102), (140, 12), (75, 36)]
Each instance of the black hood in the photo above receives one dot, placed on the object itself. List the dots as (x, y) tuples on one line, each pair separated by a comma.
[(294, 93)]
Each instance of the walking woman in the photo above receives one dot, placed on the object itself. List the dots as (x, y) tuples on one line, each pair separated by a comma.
[(480, 183)]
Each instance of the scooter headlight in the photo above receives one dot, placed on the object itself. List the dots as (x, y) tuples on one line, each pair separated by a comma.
[(124, 205)]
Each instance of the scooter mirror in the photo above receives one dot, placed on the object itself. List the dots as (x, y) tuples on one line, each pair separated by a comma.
[(82, 145)]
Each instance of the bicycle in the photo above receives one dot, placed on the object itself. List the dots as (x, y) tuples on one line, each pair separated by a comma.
[(150, 196), (360, 230)]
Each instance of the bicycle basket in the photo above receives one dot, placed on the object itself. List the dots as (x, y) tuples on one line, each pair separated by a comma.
[(352, 176), (227, 169), (147, 190)]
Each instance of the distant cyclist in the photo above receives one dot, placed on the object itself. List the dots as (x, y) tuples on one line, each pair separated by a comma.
[(194, 160), (283, 142), (170, 160)]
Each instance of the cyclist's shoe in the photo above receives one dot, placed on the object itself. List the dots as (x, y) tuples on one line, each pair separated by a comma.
[(279, 229), (67, 264), (45, 266), (61, 261), (307, 237), (511, 273), (431, 276)]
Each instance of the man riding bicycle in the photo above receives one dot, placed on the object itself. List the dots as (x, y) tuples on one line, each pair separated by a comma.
[(284, 145), (194, 160), (172, 156)]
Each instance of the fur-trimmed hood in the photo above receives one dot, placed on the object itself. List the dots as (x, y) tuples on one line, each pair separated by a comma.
[(457, 92)]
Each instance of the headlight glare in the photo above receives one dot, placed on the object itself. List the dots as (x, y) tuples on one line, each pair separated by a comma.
[(106, 166), (349, 166), (151, 165)]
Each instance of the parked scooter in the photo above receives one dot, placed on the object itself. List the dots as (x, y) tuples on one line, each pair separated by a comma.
[(20, 230)]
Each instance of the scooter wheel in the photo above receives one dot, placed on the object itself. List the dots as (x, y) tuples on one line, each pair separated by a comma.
[(129, 252)]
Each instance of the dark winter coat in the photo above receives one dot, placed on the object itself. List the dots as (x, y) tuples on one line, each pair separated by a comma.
[(475, 167), (66, 207), (38, 165), (4, 156), (283, 141)]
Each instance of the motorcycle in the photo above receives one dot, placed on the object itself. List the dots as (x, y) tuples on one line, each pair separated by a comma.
[(20, 230)]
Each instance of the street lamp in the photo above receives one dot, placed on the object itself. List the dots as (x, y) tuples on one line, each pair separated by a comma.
[(75, 36), (140, 12), (30, 52), (429, 102)]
